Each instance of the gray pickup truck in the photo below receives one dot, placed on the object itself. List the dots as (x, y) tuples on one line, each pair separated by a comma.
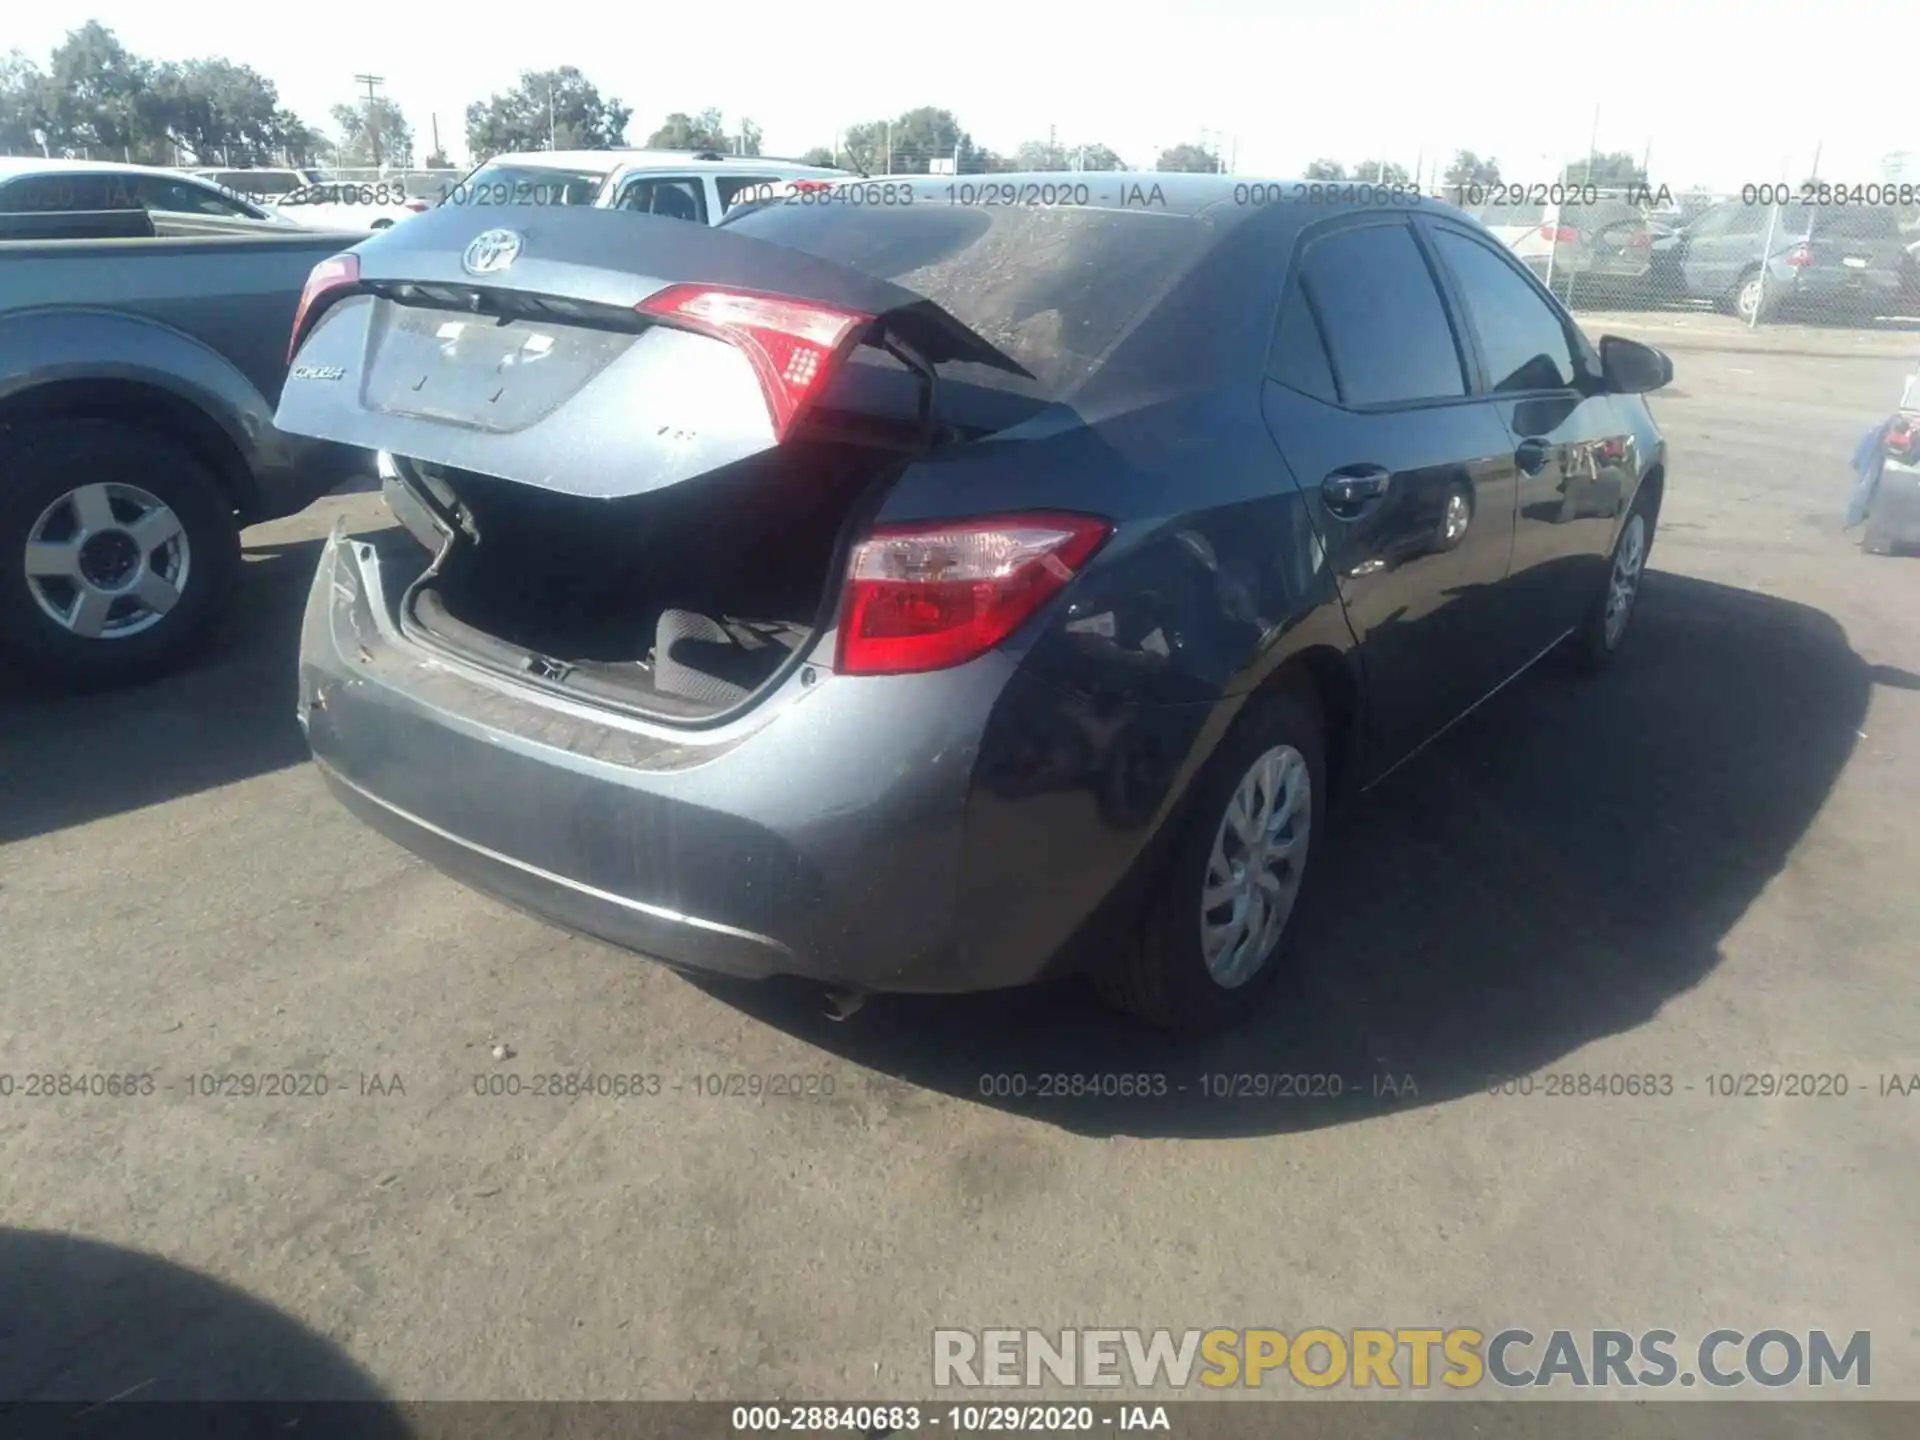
[(138, 380)]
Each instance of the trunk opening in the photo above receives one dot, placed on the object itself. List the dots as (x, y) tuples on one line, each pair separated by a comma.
[(682, 604)]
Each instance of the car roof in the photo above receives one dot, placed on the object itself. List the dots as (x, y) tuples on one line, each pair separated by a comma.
[(12, 166), (606, 162), (1168, 192)]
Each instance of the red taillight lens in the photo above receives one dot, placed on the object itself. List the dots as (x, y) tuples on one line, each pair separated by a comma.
[(1902, 439), (1563, 235), (930, 595), (337, 272), (418, 207), (793, 344), (1800, 255), (1640, 240)]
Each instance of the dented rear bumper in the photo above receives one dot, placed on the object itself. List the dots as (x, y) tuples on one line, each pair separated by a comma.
[(821, 835)]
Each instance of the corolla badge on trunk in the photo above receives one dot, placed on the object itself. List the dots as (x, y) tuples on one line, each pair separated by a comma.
[(491, 252)]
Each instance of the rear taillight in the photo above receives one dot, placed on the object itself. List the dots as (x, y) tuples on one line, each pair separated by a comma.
[(930, 595), (1902, 439), (793, 344), (1640, 240), (1800, 255), (1562, 235), (337, 272), (418, 207)]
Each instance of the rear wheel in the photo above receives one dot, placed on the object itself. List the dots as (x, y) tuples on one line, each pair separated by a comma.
[(117, 549), (1217, 927)]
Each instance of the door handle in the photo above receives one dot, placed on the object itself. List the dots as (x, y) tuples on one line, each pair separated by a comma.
[(1350, 493), (1531, 456)]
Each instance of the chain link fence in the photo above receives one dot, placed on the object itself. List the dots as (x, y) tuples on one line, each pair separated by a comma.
[(1834, 255)]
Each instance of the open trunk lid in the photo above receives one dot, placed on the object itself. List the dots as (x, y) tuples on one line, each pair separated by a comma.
[(593, 352)]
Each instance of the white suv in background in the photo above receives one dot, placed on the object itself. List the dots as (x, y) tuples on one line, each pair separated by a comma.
[(699, 185)]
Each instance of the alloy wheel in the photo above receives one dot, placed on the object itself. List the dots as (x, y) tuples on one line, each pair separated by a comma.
[(107, 560), (1629, 557)]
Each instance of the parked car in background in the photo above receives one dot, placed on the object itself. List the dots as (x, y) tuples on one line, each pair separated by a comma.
[(1887, 499), (916, 596), (1579, 247), (138, 378), (683, 185), (29, 185), (1762, 262), (316, 201)]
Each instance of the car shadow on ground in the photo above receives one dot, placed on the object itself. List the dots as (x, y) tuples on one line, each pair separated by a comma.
[(225, 715), (95, 1340), (1552, 871)]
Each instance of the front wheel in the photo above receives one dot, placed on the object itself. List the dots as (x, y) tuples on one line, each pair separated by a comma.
[(1218, 925), (1600, 636), (1754, 301), (117, 549)]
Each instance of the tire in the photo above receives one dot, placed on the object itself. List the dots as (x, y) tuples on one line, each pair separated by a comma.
[(1161, 974), (1595, 644), (1750, 291), (150, 547)]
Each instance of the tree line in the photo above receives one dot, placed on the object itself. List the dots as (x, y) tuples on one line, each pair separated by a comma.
[(96, 98)]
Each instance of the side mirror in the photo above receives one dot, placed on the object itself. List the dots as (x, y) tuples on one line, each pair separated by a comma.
[(1630, 368)]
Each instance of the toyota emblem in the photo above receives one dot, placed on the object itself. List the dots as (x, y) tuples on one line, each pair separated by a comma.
[(491, 252)]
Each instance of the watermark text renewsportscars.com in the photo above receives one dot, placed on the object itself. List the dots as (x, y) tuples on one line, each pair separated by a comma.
[(1415, 1358)]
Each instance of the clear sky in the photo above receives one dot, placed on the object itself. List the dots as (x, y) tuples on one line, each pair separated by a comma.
[(1717, 93)]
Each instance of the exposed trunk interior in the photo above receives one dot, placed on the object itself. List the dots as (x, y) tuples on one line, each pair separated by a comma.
[(680, 603)]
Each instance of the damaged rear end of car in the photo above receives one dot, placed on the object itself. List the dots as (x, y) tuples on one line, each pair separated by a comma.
[(716, 559), (637, 463)]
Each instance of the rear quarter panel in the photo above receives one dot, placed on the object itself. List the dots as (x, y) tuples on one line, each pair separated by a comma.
[(1213, 580)]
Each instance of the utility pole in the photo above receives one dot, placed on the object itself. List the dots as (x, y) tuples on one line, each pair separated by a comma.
[(889, 147), (435, 119), (373, 128), (1816, 159)]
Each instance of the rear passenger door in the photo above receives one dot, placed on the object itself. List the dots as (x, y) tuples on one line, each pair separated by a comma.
[(1409, 476), (1575, 457)]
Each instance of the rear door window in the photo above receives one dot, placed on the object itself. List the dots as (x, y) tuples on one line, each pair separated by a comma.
[(528, 185), (1523, 342), (1852, 222), (1385, 326), (744, 189), (1300, 352), (678, 197)]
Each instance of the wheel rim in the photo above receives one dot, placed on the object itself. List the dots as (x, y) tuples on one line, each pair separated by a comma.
[(1456, 519), (1253, 871), (1628, 557), (1749, 300), (106, 561)]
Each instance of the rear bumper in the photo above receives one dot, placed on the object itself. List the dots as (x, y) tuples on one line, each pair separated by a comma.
[(821, 835), (1837, 288)]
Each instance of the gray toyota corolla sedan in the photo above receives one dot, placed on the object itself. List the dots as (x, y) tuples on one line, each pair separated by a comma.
[(943, 584)]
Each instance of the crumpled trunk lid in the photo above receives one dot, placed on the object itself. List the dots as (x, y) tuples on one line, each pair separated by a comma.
[(516, 350)]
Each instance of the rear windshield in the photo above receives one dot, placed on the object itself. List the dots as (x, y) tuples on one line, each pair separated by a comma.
[(1053, 287), (1844, 222), (1508, 215), (528, 185), (258, 182)]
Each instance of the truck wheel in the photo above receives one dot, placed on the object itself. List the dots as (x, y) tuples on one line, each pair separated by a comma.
[(117, 550), (1218, 926)]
